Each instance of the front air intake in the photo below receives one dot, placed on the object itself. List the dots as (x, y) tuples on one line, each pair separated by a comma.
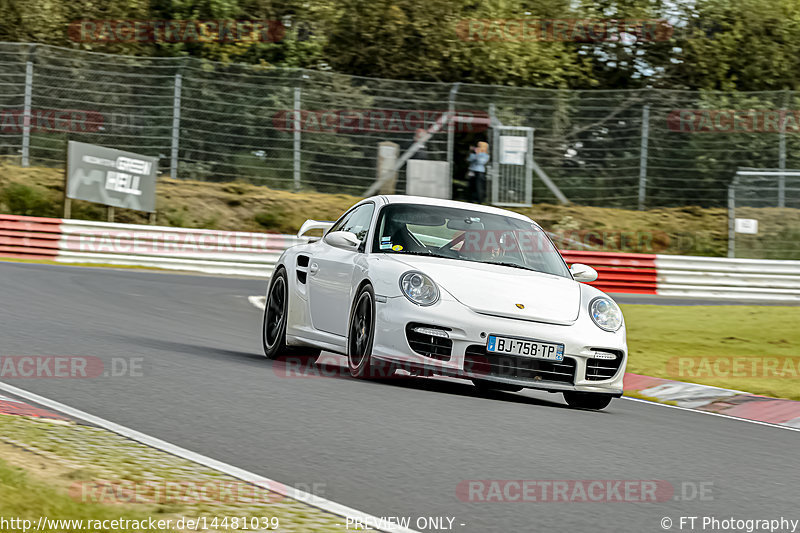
[(478, 361), (430, 341), (604, 365)]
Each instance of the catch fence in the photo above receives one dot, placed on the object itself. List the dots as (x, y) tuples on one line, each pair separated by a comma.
[(316, 130)]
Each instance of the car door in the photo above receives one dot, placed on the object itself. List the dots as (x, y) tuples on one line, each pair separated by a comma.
[(331, 273)]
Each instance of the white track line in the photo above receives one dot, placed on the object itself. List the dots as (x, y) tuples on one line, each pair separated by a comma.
[(250, 477), (760, 423), (258, 301)]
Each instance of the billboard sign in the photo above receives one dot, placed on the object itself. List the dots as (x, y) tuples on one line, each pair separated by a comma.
[(111, 177)]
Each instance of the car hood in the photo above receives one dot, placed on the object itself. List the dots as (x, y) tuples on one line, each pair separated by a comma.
[(500, 291)]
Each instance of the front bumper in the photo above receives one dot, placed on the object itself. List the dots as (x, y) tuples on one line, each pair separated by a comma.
[(468, 330)]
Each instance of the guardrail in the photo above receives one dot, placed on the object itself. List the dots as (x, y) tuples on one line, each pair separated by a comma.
[(198, 250), (734, 279), (254, 254)]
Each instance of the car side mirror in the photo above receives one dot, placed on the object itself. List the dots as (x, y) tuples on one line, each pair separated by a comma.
[(583, 273), (342, 239)]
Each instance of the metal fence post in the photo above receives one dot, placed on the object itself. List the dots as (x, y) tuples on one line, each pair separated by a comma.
[(732, 218), (297, 139), (26, 114), (782, 152), (529, 168), (643, 156), (451, 109), (493, 173), (176, 126)]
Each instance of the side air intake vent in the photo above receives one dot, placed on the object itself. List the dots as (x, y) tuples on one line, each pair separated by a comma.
[(603, 365), (430, 341), (302, 268)]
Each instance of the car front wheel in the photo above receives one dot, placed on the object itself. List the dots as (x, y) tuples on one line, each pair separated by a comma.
[(361, 334), (587, 400)]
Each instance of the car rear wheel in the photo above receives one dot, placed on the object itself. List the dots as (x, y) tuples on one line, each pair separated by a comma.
[(587, 400), (361, 334), (275, 316)]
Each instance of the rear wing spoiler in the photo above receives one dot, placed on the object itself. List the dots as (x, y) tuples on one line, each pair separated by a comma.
[(309, 225)]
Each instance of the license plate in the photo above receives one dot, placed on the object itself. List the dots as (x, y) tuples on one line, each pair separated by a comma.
[(525, 348)]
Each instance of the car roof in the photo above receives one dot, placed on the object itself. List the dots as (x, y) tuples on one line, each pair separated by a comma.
[(423, 200)]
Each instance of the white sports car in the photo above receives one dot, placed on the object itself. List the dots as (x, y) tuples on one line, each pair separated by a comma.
[(447, 288)]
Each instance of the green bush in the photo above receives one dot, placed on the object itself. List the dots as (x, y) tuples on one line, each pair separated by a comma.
[(277, 219), (269, 219), (20, 199)]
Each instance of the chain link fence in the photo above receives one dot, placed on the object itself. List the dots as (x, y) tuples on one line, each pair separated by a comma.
[(314, 130), (759, 225)]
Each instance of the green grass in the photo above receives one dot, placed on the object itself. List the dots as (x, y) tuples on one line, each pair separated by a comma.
[(23, 496), (659, 335), (51, 469)]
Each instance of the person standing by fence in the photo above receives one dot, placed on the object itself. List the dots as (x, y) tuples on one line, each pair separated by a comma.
[(418, 136), (477, 172)]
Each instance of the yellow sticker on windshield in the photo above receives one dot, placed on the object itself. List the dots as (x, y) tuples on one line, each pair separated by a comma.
[(397, 247)]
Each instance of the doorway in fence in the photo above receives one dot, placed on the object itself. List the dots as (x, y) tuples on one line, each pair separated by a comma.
[(463, 143)]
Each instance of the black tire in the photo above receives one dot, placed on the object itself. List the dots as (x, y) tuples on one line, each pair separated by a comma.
[(587, 400), (361, 334), (485, 386), (273, 329)]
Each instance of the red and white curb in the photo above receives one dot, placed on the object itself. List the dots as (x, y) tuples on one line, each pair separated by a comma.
[(14, 407), (715, 400), (258, 480)]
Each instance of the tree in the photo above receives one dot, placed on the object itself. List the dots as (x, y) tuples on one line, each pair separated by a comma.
[(745, 45)]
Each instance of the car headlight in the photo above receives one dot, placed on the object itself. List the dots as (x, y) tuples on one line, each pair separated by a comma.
[(419, 288), (605, 314)]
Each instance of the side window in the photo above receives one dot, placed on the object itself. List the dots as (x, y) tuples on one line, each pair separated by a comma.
[(341, 222), (358, 221)]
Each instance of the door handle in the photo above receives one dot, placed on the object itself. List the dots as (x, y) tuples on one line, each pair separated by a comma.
[(313, 269)]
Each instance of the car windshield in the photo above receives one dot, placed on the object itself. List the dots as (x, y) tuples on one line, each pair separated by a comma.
[(467, 235)]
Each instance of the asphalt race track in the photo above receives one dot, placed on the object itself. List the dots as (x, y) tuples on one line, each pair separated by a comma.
[(392, 448)]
